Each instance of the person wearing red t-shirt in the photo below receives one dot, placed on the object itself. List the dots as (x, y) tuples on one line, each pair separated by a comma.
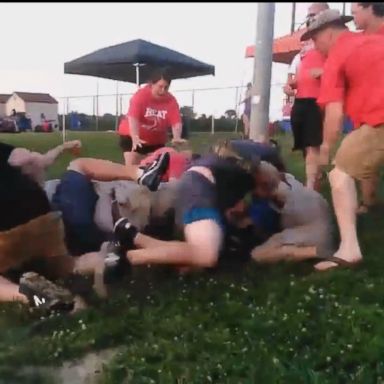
[(369, 18), (306, 115), (178, 162), (152, 110), (352, 82)]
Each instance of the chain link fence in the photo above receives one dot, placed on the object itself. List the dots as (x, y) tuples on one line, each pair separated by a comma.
[(205, 109)]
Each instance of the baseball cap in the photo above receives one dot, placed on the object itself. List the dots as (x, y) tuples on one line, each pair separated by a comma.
[(323, 20)]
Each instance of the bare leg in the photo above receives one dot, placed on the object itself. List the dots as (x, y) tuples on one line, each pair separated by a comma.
[(312, 166), (345, 205), (143, 241), (92, 264), (274, 254), (104, 170), (132, 158), (10, 292), (246, 125), (201, 248)]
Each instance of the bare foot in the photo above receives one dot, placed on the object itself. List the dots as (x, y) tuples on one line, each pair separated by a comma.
[(343, 255)]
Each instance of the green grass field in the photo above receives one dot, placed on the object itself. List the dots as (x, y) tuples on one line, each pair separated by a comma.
[(270, 324)]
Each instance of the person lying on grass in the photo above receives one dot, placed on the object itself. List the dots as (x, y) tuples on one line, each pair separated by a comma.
[(305, 219), (32, 238), (90, 204), (35, 164), (206, 192)]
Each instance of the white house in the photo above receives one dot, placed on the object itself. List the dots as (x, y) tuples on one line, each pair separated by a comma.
[(3, 102), (35, 106)]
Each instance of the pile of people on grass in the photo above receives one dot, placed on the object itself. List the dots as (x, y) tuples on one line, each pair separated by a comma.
[(235, 201)]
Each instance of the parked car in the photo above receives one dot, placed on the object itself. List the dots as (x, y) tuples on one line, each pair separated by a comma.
[(8, 125)]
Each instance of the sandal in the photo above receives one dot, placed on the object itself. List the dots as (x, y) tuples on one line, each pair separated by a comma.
[(338, 261)]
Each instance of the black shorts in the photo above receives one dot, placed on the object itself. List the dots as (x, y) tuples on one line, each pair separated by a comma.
[(307, 124), (126, 146)]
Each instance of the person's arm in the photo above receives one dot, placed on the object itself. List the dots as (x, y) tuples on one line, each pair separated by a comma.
[(175, 120), (176, 132), (21, 157), (104, 170), (331, 98), (333, 123), (134, 126), (136, 110), (49, 157)]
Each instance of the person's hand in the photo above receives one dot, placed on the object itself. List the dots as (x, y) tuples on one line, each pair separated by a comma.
[(178, 141), (137, 142), (324, 155), (288, 90), (68, 145), (316, 72), (73, 146)]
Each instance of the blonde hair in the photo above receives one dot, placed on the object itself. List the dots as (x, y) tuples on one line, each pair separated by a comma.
[(224, 149)]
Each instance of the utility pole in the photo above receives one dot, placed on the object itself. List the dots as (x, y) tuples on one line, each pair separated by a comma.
[(262, 72), (293, 17)]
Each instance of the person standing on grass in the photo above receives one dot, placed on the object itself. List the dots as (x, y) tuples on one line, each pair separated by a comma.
[(247, 110), (369, 17), (306, 116), (152, 110), (353, 81)]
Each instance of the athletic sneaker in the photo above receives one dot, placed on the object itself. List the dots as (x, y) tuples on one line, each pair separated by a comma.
[(116, 262), (44, 294), (153, 173)]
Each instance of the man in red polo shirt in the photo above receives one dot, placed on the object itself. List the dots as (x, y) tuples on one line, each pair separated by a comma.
[(347, 85), (369, 17), (306, 115)]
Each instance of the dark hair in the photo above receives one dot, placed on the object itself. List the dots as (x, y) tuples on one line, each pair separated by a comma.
[(196, 156), (161, 74), (377, 8)]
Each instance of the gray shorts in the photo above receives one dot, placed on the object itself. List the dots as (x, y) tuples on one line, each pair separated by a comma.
[(197, 200)]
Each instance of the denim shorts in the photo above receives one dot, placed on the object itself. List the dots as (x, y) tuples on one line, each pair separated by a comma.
[(76, 199)]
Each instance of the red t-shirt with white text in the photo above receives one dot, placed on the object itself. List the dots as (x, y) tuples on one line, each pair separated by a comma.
[(155, 116)]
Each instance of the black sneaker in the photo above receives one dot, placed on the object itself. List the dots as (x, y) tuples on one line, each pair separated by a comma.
[(44, 294), (151, 177), (116, 264)]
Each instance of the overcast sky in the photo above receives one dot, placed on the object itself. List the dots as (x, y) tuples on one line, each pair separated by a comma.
[(38, 38)]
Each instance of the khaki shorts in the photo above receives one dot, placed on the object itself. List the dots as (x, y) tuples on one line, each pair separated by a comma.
[(40, 242), (361, 153)]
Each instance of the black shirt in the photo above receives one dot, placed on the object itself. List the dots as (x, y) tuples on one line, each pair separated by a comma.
[(21, 198), (232, 181)]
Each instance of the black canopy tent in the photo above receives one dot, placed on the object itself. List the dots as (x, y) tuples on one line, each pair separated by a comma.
[(134, 61)]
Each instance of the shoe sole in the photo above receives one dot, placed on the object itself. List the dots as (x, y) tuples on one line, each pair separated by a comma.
[(32, 284), (160, 169)]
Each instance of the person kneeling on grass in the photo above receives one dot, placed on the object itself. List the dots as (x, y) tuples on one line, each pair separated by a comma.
[(305, 219)]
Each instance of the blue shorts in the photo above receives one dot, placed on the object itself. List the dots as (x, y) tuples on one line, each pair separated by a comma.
[(76, 199), (265, 217)]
